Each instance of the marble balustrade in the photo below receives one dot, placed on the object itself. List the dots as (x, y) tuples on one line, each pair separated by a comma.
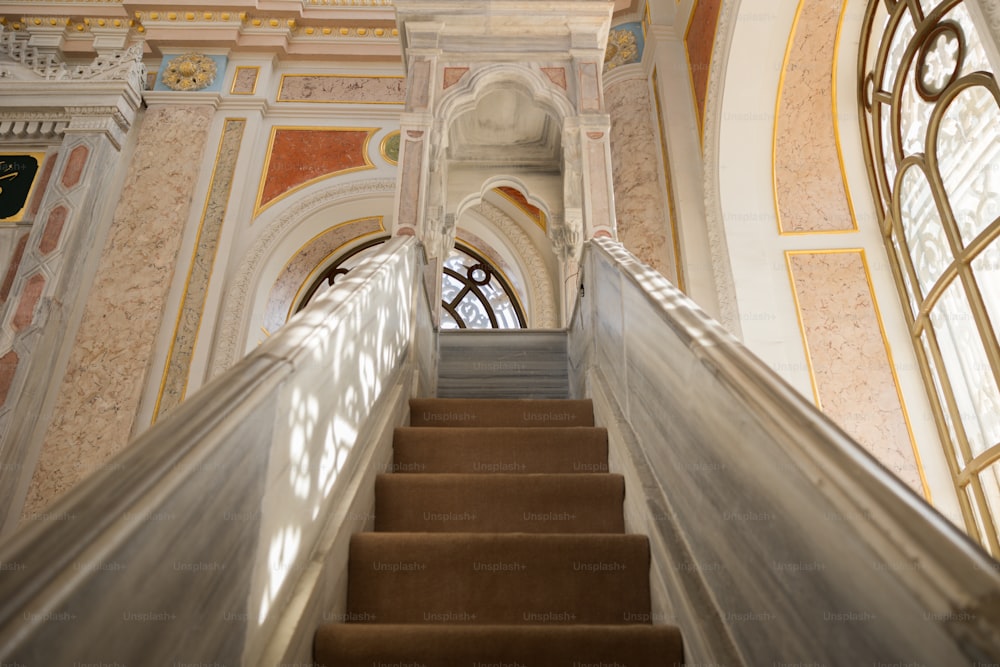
[(775, 538)]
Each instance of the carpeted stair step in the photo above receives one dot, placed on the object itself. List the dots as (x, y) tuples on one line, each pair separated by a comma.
[(500, 503), (496, 578), (489, 412), (363, 645), (500, 450)]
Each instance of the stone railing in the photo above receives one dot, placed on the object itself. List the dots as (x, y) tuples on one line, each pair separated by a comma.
[(776, 539), (220, 535)]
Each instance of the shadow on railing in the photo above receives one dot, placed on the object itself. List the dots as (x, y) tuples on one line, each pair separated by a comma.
[(776, 539), (218, 536)]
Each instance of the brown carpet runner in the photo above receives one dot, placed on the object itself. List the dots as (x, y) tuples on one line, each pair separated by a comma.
[(499, 540)]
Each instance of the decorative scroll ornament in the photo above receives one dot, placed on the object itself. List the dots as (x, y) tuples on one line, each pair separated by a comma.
[(191, 71)]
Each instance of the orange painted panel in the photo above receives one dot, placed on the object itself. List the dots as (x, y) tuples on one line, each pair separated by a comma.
[(297, 157)]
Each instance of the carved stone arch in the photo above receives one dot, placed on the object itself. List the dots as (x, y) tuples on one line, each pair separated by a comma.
[(530, 80), (238, 300)]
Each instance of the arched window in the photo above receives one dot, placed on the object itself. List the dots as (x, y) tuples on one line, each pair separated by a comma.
[(931, 125), (474, 292)]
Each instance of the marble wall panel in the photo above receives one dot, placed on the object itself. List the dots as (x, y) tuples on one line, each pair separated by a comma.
[(699, 41), (643, 225), (299, 156), (178, 365), (245, 81), (849, 358), (809, 186), (342, 89), (99, 394)]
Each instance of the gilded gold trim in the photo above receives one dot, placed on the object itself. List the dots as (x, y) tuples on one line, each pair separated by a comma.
[(281, 87), (671, 206), (382, 145), (187, 281), (258, 208), (321, 265), (918, 461), (40, 157), (236, 76)]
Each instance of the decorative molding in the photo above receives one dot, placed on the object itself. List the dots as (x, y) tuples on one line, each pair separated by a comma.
[(722, 272), (233, 325), (543, 293)]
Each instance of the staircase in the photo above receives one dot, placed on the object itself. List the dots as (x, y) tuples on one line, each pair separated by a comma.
[(499, 540)]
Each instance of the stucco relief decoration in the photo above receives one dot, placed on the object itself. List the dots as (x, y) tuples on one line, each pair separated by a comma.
[(191, 71), (624, 47)]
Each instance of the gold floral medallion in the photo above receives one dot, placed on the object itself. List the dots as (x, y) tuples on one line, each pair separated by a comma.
[(191, 71)]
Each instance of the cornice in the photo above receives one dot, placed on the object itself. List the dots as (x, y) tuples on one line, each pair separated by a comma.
[(304, 28)]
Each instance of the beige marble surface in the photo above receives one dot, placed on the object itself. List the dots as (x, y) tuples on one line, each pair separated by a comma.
[(99, 396), (809, 185), (334, 88), (639, 204), (175, 377), (297, 272), (853, 375)]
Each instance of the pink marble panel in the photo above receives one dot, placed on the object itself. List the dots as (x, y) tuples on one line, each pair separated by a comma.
[(96, 405), (809, 185), (15, 262), (245, 80), (850, 361), (639, 203), (30, 296), (53, 230), (453, 75), (557, 75), (75, 163), (8, 367)]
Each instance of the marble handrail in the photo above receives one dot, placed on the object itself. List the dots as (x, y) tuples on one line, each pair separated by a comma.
[(776, 538), (210, 539)]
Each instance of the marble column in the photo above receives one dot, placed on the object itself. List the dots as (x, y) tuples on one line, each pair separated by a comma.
[(95, 405)]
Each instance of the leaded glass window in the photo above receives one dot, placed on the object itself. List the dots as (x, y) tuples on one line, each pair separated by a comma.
[(931, 124), (474, 292)]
